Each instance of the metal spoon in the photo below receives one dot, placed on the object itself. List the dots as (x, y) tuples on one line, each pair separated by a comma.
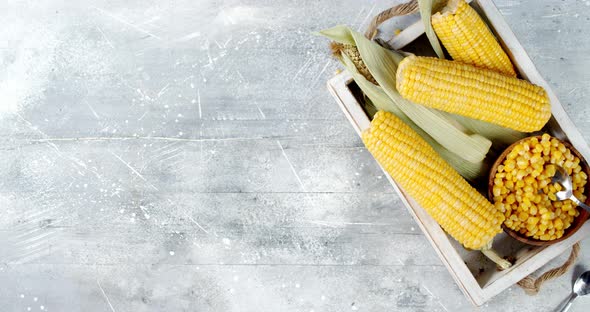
[(565, 180), (581, 288)]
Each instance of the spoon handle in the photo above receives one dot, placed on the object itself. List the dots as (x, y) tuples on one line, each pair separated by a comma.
[(568, 304), (580, 203)]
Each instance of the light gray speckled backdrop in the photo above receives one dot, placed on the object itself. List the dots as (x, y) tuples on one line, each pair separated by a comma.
[(186, 156)]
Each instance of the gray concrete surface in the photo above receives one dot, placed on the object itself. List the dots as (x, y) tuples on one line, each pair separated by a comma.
[(186, 156)]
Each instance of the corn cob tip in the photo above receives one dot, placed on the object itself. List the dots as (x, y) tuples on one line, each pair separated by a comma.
[(491, 254), (382, 114), (336, 48), (352, 52), (401, 67), (450, 8)]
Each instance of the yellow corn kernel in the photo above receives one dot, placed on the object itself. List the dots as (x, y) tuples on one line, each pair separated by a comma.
[(546, 216), (545, 138), (529, 189), (542, 227), (559, 233), (496, 190), (530, 227), (509, 184), (510, 199), (543, 183), (576, 178), (522, 163), (550, 170), (510, 177), (582, 197), (529, 181), (500, 206), (558, 224)]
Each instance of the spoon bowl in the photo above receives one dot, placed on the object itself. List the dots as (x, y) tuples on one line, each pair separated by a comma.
[(581, 288), (565, 181), (582, 284)]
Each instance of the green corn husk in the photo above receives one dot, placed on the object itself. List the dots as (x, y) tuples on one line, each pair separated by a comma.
[(370, 108), (501, 137), (427, 7), (382, 65)]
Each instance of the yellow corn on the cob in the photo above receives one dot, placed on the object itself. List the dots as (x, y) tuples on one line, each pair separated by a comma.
[(473, 92), (461, 211), (468, 39)]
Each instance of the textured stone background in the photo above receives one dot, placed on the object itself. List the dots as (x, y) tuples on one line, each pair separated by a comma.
[(186, 156)]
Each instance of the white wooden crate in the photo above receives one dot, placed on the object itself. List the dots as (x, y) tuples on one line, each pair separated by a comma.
[(476, 276)]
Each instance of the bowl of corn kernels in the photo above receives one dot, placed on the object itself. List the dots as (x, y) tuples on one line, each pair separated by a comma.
[(520, 185)]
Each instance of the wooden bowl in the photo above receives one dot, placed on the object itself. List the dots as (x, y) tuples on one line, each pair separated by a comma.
[(578, 221)]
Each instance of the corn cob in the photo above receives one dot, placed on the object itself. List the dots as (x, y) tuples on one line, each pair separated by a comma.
[(468, 39), (460, 210), (353, 53), (473, 92)]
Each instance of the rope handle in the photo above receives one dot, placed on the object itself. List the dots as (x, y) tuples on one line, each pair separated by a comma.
[(532, 285), (398, 10), (529, 284)]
